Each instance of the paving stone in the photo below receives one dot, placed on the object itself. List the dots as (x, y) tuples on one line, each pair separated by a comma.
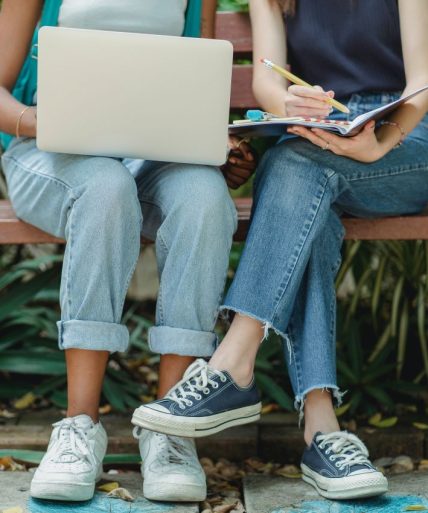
[(15, 486), (235, 444), (264, 494), (282, 444)]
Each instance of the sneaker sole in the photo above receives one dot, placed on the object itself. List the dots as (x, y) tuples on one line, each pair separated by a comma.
[(62, 491), (354, 487), (194, 427), (179, 492)]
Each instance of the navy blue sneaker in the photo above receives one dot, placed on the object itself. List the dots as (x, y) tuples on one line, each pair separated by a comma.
[(204, 402), (337, 465)]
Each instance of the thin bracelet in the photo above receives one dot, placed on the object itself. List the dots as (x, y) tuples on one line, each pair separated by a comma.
[(396, 125), (18, 123)]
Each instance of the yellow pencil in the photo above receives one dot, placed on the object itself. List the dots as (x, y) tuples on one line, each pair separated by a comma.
[(296, 80)]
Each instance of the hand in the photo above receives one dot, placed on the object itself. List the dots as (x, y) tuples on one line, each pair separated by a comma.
[(240, 164), (364, 147), (307, 101)]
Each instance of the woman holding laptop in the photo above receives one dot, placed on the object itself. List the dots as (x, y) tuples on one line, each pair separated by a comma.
[(101, 209), (366, 56)]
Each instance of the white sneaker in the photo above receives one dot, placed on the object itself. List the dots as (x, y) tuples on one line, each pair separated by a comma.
[(73, 461), (170, 468)]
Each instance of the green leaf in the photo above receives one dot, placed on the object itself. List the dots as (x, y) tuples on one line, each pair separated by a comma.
[(402, 337), (274, 391), (33, 363), (395, 303)]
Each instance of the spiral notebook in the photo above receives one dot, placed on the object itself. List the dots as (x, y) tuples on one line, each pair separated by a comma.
[(276, 126)]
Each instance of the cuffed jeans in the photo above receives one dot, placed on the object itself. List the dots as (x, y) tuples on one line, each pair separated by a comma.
[(101, 206), (286, 274)]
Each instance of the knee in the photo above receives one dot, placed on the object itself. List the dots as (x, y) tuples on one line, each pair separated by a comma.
[(209, 207), (111, 192)]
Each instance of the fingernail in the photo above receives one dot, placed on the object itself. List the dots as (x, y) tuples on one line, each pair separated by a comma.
[(232, 161), (250, 157)]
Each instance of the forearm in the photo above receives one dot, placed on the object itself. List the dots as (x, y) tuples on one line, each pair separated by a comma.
[(271, 96), (209, 9), (10, 111)]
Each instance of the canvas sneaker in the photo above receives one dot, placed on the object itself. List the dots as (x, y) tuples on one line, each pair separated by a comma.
[(73, 461), (337, 465), (204, 402), (170, 468)]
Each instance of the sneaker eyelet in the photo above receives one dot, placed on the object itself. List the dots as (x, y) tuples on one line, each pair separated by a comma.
[(331, 458), (189, 403), (198, 397), (182, 407), (337, 464), (223, 379), (215, 385), (206, 391)]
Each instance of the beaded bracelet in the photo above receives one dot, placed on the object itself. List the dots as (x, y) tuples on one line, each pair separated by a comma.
[(399, 127)]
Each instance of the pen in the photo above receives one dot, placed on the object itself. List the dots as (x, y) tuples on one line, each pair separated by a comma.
[(296, 80)]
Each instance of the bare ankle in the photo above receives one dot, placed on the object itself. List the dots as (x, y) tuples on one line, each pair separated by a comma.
[(319, 414)]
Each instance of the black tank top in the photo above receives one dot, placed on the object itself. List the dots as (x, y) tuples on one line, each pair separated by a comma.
[(350, 46)]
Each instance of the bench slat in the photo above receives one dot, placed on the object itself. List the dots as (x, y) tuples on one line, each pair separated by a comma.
[(236, 28), (14, 231)]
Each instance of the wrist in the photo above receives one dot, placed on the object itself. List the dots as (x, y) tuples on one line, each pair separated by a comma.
[(26, 125)]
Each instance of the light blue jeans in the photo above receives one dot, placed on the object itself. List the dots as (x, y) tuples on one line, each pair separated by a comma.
[(101, 206), (286, 274)]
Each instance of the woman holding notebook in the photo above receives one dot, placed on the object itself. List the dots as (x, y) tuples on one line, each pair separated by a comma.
[(364, 55), (101, 206)]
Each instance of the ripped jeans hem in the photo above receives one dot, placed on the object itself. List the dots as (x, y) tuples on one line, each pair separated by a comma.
[(299, 400)]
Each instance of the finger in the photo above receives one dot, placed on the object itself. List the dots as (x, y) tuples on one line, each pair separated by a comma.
[(240, 173), (234, 182), (310, 92), (336, 140), (244, 151), (309, 103), (241, 163), (313, 137)]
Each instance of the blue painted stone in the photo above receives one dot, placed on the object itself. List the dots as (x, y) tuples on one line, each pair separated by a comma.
[(99, 504), (385, 504)]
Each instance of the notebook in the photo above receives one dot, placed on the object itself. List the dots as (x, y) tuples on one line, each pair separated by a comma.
[(139, 96), (276, 126)]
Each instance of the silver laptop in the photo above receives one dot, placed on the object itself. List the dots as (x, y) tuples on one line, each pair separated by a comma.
[(133, 95)]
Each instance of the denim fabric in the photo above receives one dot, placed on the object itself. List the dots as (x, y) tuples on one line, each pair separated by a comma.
[(101, 206), (286, 275)]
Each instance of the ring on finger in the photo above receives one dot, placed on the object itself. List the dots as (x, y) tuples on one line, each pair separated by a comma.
[(244, 140), (327, 144)]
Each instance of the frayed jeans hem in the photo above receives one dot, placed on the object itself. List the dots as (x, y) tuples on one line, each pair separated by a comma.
[(182, 342), (92, 335), (299, 400)]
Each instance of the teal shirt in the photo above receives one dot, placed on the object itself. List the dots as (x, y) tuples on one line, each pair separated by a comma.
[(26, 84)]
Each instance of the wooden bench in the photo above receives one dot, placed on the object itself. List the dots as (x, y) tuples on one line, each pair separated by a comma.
[(236, 28)]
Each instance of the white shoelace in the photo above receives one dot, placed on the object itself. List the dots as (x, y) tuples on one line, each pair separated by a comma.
[(196, 380), (175, 450), (71, 443), (345, 447)]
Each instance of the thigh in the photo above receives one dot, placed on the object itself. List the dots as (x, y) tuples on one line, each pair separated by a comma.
[(43, 186), (182, 190), (395, 184)]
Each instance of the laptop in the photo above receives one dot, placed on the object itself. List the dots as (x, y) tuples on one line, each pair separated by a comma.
[(129, 95)]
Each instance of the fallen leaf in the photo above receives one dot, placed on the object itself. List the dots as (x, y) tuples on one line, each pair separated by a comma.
[(8, 463), (6, 414), (269, 408), (16, 509), (420, 425), (225, 508), (121, 493), (108, 487), (342, 409), (416, 507), (25, 401), (377, 417), (103, 410), (384, 423)]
